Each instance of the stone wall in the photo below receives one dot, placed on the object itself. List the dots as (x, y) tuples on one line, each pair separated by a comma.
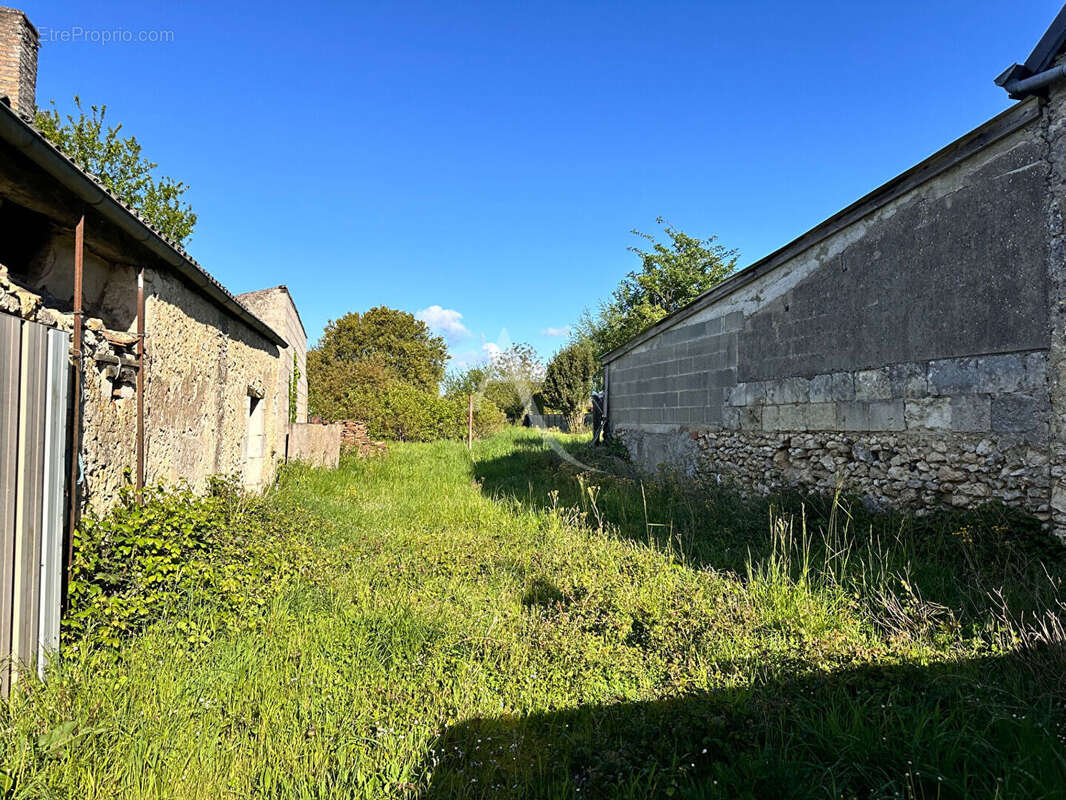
[(277, 309), (902, 348), (201, 368), (316, 444)]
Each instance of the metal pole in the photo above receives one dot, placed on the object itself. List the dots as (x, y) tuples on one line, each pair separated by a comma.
[(470, 425), (75, 428), (140, 382)]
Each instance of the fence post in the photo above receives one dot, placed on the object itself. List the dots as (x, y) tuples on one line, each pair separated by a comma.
[(470, 425)]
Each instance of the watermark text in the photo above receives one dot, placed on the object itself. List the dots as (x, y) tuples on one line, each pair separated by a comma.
[(76, 34)]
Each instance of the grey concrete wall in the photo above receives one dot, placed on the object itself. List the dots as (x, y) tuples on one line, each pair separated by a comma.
[(918, 318)]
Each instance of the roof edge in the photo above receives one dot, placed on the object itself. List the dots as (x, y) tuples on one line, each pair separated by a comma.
[(32, 143), (292, 300), (1001, 125)]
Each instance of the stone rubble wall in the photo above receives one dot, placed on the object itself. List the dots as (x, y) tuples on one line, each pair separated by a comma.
[(201, 368)]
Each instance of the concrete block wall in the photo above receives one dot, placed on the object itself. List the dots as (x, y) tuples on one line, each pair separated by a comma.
[(903, 347)]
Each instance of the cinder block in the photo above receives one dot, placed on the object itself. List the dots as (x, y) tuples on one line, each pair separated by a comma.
[(792, 417), (971, 413), (952, 376), (1018, 413), (713, 414), (722, 377), (731, 349), (886, 415), (932, 413), (692, 397), (788, 390), (1000, 374), (694, 380), (909, 380), (733, 321), (821, 416), (873, 384)]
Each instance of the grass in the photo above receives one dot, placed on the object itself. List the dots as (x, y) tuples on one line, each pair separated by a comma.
[(523, 626)]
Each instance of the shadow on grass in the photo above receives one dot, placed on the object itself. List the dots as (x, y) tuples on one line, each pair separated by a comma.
[(988, 727), (973, 563)]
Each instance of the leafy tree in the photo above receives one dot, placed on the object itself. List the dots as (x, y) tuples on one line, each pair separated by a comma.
[(671, 275), (118, 162), (367, 351), (465, 382), (568, 382), (512, 378)]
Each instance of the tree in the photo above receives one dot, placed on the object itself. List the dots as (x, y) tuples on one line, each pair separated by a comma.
[(367, 351), (118, 163), (568, 382), (671, 275), (512, 377), (464, 383)]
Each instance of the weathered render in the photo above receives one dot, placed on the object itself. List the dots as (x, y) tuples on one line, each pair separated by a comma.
[(278, 310), (911, 348), (215, 376)]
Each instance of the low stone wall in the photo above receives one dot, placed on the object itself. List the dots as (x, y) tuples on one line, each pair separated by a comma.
[(315, 443), (915, 470)]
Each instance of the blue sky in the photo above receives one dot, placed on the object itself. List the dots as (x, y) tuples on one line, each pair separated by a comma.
[(487, 160)]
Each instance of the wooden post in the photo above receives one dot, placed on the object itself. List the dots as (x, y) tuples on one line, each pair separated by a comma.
[(470, 425)]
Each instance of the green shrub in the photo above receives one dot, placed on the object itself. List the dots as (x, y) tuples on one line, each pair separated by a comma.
[(400, 412), (145, 562)]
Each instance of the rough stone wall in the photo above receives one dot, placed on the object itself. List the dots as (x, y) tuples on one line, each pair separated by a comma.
[(1055, 133), (278, 310), (18, 60), (904, 354), (203, 366)]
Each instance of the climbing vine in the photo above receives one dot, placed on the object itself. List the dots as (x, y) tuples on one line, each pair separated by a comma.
[(294, 387)]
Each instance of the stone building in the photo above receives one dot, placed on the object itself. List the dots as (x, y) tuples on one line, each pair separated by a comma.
[(911, 346), (277, 309), (215, 372)]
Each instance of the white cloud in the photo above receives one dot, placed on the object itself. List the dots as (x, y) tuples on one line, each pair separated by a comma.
[(563, 331), (447, 321), (491, 349)]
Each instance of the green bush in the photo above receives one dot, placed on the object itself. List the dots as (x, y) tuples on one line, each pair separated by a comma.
[(400, 412), (145, 562)]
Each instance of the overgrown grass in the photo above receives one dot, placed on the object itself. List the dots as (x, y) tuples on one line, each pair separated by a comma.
[(517, 626)]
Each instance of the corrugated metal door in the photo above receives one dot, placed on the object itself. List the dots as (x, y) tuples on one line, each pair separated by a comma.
[(34, 381)]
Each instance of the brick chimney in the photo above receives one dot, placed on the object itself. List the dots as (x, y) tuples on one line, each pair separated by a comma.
[(18, 60)]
